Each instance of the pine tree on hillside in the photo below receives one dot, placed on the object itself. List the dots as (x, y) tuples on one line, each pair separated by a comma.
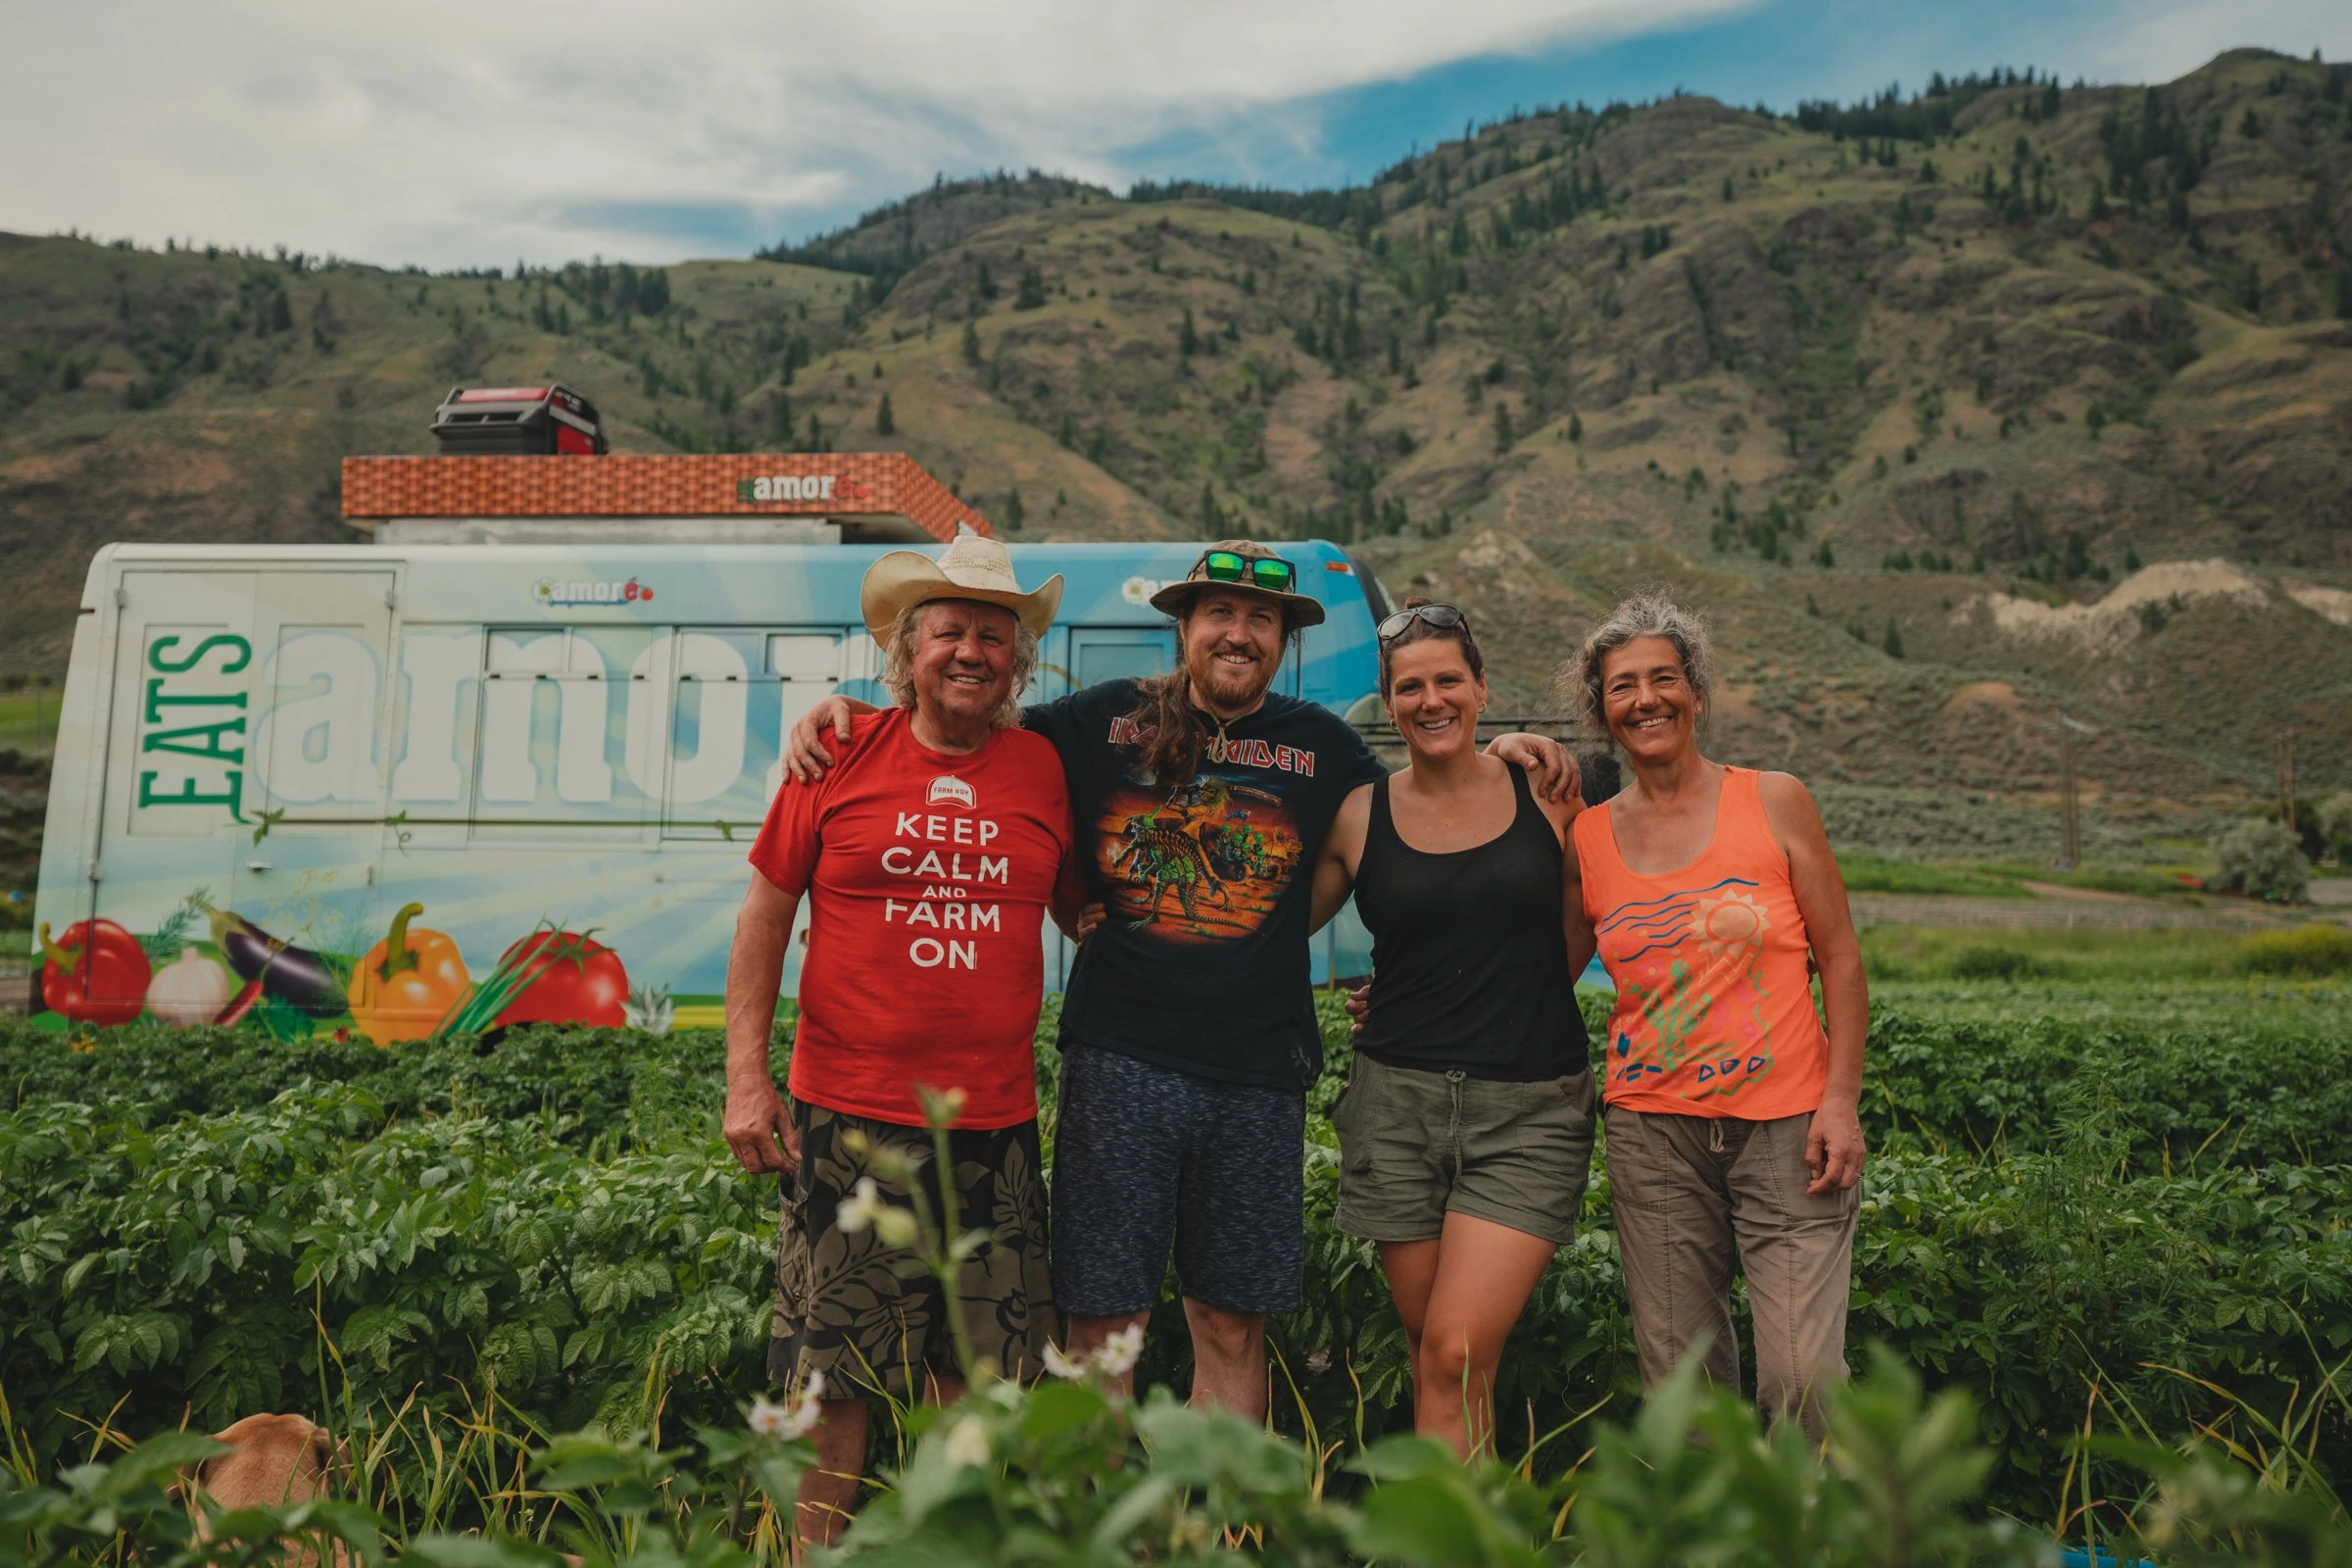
[(972, 345), (1502, 425), (885, 423)]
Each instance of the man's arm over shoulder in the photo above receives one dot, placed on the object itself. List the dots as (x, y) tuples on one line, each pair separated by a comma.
[(819, 736)]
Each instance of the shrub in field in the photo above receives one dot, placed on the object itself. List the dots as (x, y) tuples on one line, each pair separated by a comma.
[(1878, 873), (2199, 1095), (1985, 963), (306, 1253), (551, 1228), (582, 1084), (2263, 859), (1063, 1473), (2333, 817), (2312, 950)]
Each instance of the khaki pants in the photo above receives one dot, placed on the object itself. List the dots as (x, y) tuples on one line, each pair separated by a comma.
[(1694, 1193)]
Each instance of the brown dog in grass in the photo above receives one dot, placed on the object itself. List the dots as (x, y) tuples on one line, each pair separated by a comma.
[(276, 1461)]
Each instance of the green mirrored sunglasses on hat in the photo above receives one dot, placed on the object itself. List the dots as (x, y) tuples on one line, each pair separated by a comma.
[(1270, 572)]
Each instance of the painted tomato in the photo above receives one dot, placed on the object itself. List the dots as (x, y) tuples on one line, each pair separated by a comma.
[(96, 973), (567, 977)]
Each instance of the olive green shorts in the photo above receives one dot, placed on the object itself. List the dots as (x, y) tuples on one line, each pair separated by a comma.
[(1417, 1146)]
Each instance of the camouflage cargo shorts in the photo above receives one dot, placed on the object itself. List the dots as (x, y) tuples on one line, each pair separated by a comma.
[(870, 1316)]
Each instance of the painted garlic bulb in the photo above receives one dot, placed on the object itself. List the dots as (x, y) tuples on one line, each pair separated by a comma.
[(189, 990)]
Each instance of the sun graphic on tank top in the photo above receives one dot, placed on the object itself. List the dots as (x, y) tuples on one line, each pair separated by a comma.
[(1730, 928)]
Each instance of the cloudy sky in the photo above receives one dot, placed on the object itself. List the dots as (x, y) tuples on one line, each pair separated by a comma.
[(481, 133)]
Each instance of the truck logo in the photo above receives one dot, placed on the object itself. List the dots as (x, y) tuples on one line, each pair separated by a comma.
[(948, 787), (557, 592), (1139, 590), (801, 487)]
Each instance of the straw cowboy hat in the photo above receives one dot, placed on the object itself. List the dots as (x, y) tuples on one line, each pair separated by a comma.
[(1228, 563), (973, 567)]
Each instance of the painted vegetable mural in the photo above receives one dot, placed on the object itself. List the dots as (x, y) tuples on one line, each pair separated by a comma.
[(408, 983), (97, 972), (566, 978), (204, 965), (190, 990), (295, 975)]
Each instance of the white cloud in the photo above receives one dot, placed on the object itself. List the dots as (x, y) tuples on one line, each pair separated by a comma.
[(2162, 42), (451, 135)]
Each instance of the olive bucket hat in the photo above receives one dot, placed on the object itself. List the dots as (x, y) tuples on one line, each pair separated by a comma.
[(1247, 565)]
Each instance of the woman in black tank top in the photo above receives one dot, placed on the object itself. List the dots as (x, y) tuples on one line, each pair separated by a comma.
[(1469, 950), (1466, 1128)]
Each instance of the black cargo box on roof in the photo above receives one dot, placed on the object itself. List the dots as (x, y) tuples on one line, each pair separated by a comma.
[(517, 421)]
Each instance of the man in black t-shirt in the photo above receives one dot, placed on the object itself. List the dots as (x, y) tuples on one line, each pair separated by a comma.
[(1187, 1032)]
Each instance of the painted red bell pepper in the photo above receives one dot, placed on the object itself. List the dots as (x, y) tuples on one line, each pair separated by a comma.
[(96, 973), (565, 977)]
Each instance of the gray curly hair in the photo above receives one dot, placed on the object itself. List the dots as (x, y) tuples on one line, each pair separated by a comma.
[(897, 660), (1649, 614)]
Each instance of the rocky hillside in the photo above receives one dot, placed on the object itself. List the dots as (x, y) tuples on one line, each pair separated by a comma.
[(1953, 410)]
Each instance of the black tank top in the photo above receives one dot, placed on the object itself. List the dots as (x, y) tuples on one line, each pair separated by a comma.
[(1469, 958)]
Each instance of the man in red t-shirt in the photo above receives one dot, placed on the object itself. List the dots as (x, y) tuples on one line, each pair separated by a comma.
[(927, 857)]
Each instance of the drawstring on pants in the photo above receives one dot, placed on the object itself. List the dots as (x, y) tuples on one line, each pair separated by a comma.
[(1453, 1133), (1715, 1135)]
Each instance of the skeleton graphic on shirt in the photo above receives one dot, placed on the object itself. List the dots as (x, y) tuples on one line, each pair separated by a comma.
[(1201, 842)]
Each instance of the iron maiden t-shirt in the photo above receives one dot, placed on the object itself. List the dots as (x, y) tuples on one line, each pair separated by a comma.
[(1201, 963)]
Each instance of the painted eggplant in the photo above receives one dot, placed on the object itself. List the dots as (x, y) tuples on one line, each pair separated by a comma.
[(294, 975)]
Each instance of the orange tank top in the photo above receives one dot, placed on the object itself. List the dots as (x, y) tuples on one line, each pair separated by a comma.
[(1714, 1013)]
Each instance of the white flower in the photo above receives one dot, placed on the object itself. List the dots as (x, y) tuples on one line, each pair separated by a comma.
[(859, 1209), (1060, 1365), (794, 1420), (864, 1206), (1120, 1352), (967, 1443)]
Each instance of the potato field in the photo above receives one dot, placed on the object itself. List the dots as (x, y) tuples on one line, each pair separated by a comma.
[(2113, 1210)]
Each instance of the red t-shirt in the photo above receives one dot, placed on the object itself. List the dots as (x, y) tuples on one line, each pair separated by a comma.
[(927, 877)]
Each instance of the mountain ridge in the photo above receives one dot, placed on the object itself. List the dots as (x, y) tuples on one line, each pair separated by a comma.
[(1876, 384)]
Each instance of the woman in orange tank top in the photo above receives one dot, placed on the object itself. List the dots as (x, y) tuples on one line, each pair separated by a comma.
[(1732, 1130)]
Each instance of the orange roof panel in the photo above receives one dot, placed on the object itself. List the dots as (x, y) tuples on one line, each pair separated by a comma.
[(656, 485)]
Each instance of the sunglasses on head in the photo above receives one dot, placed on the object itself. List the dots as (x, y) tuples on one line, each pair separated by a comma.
[(1270, 572), (1444, 618)]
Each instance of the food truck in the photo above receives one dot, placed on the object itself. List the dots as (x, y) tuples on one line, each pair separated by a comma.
[(518, 742)]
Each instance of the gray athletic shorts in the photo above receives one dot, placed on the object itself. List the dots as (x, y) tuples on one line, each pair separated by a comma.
[(1146, 1158), (1415, 1146)]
